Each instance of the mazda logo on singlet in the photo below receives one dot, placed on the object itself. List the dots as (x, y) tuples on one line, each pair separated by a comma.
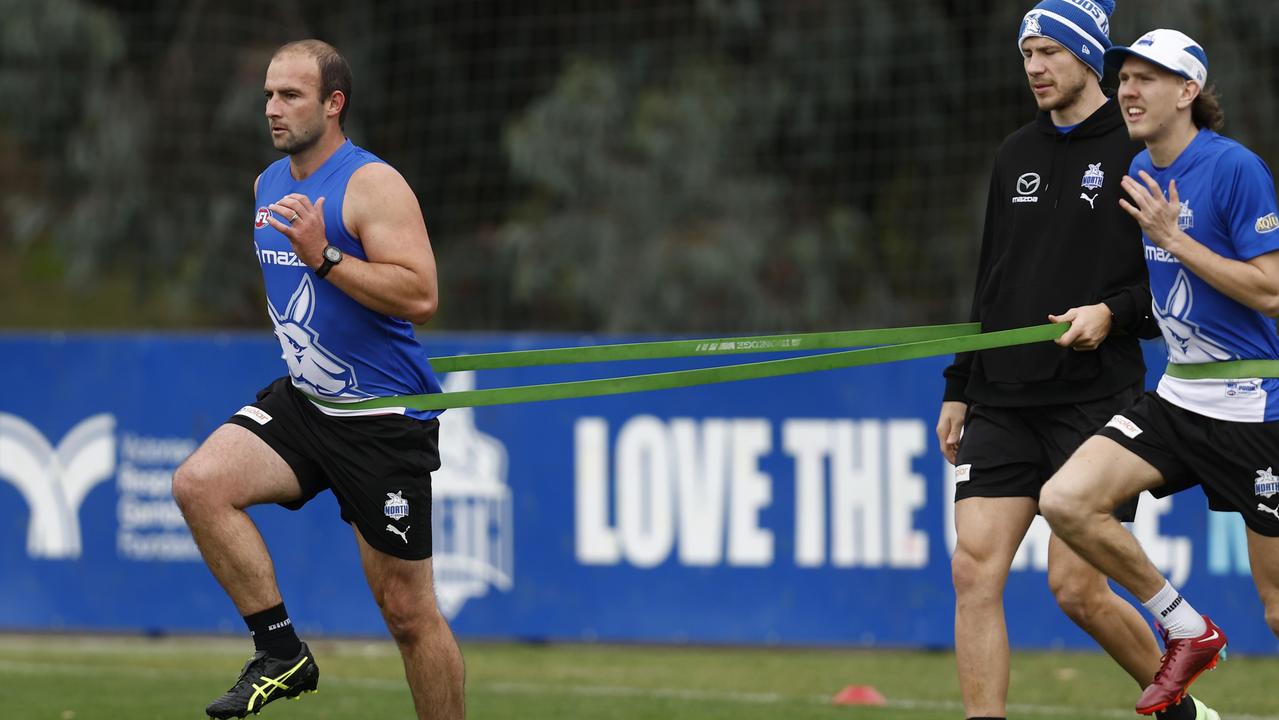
[(1028, 184)]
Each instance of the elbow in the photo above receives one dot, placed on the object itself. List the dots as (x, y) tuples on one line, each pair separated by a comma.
[(421, 312), (1267, 304)]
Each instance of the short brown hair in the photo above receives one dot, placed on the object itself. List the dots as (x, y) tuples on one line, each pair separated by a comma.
[(1206, 110), (335, 73)]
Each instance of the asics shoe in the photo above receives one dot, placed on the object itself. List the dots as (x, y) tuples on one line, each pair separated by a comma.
[(265, 679)]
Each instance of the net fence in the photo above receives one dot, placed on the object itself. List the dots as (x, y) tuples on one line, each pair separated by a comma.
[(697, 166)]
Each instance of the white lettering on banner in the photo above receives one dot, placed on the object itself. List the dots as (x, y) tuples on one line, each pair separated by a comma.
[(644, 492), (150, 525), (701, 486), (689, 484), (596, 541), (873, 492), (752, 491)]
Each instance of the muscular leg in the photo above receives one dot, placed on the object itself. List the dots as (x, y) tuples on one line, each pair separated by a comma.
[(988, 532), (1078, 502), (405, 592), (232, 470), (1263, 554), (1086, 598)]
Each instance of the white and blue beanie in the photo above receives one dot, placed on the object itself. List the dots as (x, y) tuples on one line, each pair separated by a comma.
[(1081, 26), (1172, 50)]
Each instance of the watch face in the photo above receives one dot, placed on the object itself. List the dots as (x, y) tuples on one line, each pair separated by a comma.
[(332, 254)]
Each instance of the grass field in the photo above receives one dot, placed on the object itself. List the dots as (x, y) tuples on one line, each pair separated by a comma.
[(90, 678)]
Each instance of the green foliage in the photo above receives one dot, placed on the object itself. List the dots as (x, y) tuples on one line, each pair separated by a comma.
[(709, 166)]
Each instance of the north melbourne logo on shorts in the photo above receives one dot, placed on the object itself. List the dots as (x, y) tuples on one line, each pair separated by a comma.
[(1266, 484), (1125, 426), (396, 506)]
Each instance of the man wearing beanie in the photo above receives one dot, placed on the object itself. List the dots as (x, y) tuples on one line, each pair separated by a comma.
[(1210, 227), (1058, 246)]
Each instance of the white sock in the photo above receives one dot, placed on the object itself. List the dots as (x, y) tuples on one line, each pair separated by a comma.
[(1175, 614)]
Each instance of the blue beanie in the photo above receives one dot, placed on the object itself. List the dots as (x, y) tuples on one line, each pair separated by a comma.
[(1081, 26)]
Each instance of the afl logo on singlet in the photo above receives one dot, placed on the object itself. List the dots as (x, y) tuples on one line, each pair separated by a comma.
[(259, 220)]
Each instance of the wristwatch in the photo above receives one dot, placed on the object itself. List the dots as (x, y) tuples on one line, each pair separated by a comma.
[(332, 256)]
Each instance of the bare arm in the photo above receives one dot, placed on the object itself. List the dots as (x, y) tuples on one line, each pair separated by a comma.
[(380, 209), (1254, 282)]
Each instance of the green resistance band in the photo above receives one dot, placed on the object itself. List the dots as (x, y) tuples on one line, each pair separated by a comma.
[(953, 343), (1228, 370), (706, 347)]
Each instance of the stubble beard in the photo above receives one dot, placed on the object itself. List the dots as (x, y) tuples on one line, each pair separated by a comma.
[(294, 143), (1068, 96)]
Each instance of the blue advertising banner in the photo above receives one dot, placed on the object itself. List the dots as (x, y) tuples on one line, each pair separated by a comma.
[(806, 510)]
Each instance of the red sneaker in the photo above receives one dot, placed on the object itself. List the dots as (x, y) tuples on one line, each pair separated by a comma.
[(1184, 660)]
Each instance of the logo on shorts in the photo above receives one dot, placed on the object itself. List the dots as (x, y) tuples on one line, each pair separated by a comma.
[(255, 414), (1272, 511), (1266, 485), (396, 506), (1125, 426), (404, 534), (963, 473)]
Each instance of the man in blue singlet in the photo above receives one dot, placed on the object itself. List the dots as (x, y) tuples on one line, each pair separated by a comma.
[(348, 270), (1210, 226)]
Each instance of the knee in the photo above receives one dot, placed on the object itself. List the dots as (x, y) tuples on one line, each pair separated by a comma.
[(409, 616), (972, 577), (1064, 510), (194, 489), (1078, 595), (1272, 616), (188, 490)]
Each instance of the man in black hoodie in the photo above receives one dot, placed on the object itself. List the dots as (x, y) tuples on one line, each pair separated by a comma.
[(1056, 246)]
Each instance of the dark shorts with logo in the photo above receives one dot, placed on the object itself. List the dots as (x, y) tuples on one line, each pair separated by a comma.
[(1234, 462), (1013, 451), (379, 467)]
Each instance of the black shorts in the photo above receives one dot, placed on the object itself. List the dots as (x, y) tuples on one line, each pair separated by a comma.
[(379, 466), (1233, 462), (1011, 452)]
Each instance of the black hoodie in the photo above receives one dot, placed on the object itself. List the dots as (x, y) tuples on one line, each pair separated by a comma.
[(1056, 238)]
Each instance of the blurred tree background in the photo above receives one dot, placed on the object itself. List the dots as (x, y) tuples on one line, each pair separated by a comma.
[(584, 165)]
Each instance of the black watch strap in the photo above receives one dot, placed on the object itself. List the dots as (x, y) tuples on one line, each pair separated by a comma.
[(324, 268)]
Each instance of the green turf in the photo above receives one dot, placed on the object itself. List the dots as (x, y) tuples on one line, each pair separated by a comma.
[(78, 678)]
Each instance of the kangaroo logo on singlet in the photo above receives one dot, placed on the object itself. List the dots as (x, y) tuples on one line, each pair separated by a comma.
[(1185, 216), (471, 509), (1266, 485), (54, 481), (396, 506), (1186, 342), (310, 363)]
